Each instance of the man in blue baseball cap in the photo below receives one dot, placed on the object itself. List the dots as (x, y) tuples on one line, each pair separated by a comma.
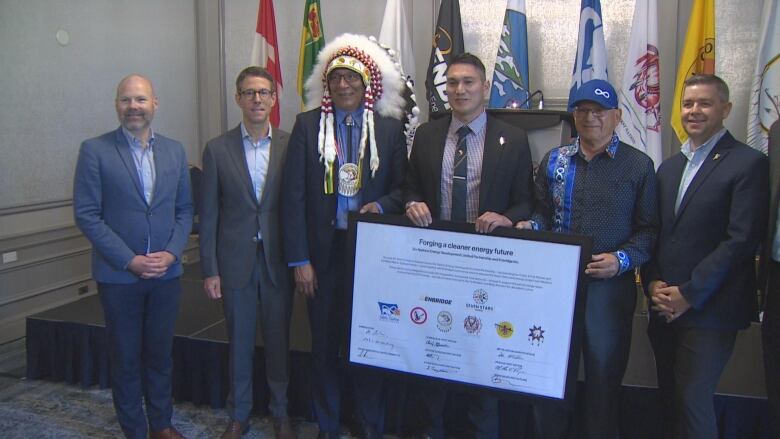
[(603, 188)]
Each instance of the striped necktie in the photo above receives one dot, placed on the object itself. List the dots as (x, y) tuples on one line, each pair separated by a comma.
[(459, 176)]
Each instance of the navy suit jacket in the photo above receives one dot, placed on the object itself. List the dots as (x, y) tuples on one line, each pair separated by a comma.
[(708, 248), (110, 209), (308, 213), (507, 173)]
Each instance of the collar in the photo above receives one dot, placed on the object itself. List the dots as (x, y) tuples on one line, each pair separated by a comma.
[(245, 134), (705, 148), (611, 150), (136, 142), (476, 125)]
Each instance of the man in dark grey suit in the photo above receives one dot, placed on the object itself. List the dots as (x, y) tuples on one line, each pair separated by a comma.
[(469, 167), (131, 199), (240, 247)]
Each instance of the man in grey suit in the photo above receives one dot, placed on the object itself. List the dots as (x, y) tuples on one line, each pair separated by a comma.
[(131, 199), (240, 247)]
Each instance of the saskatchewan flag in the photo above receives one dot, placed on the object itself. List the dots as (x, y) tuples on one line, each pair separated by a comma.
[(698, 56), (312, 41)]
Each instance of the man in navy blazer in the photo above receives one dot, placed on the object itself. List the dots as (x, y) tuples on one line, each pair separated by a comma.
[(132, 200), (347, 155), (712, 199)]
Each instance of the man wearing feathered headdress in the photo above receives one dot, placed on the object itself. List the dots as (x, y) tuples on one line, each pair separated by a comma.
[(349, 154)]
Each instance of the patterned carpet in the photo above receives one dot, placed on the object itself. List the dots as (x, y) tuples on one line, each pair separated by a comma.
[(43, 409)]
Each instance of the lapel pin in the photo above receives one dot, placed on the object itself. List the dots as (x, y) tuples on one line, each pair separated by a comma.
[(716, 156), (501, 141)]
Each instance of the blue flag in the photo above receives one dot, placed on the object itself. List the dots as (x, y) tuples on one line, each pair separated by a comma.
[(591, 62), (510, 76)]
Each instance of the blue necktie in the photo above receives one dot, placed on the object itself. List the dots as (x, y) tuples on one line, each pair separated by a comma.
[(459, 176)]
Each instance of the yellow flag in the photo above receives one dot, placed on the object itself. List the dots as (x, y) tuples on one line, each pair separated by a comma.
[(698, 56)]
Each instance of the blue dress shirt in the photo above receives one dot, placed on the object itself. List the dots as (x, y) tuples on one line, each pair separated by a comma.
[(257, 156)]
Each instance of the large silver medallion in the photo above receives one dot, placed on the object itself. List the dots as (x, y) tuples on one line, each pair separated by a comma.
[(348, 180)]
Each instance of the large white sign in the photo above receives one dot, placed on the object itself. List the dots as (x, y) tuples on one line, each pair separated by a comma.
[(478, 309)]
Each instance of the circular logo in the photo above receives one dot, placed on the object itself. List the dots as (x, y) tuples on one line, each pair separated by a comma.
[(472, 324), (480, 296), (444, 321), (505, 329), (418, 315)]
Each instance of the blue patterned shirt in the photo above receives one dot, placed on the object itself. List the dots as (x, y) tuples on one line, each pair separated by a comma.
[(610, 198)]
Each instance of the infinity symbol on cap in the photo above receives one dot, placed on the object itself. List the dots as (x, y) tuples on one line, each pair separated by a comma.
[(601, 92)]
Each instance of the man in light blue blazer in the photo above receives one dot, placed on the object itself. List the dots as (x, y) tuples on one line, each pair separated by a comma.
[(132, 200)]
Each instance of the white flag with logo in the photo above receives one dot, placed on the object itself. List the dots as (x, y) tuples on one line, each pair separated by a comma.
[(640, 94), (764, 106)]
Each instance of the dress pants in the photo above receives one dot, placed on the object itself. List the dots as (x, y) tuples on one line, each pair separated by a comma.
[(689, 362), (609, 312), (140, 319), (482, 413), (241, 313), (329, 318), (770, 335)]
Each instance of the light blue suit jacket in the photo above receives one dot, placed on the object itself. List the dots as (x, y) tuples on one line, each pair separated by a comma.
[(110, 209)]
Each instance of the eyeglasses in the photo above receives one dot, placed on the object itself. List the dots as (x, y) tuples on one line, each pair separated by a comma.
[(582, 113), (250, 93), (352, 78)]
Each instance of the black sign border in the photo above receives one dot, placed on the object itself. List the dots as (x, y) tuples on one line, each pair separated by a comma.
[(585, 244)]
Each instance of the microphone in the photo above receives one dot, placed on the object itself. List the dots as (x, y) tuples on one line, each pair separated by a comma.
[(531, 96)]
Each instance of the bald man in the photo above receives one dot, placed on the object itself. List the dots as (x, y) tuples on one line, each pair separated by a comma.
[(132, 200)]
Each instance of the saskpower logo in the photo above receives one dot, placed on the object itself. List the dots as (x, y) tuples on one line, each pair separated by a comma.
[(389, 312)]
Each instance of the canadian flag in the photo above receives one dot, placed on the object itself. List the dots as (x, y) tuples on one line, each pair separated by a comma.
[(265, 51)]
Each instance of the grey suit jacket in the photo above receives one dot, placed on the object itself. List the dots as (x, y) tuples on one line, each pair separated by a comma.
[(231, 215)]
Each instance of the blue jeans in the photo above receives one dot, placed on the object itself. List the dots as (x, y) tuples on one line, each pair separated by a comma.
[(140, 319)]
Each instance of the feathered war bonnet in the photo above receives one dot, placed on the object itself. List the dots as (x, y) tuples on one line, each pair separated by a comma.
[(384, 86)]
